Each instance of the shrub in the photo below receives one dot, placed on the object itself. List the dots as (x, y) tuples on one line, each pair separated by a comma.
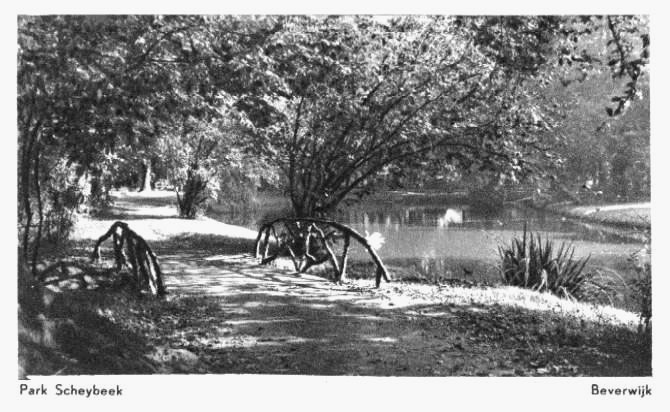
[(61, 195), (530, 263), (199, 187)]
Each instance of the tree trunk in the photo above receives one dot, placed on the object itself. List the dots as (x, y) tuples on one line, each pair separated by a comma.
[(40, 209), (145, 182), (30, 160), (25, 193)]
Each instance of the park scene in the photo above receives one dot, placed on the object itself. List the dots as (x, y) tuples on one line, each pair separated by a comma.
[(350, 195)]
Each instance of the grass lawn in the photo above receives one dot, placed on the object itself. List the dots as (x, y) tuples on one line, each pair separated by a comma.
[(629, 215)]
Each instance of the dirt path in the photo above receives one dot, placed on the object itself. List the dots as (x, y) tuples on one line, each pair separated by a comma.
[(237, 316), (264, 320)]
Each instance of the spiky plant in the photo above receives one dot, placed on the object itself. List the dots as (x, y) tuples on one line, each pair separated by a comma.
[(531, 263)]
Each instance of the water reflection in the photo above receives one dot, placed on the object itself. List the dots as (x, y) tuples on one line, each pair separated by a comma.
[(395, 217), (447, 231), (451, 216)]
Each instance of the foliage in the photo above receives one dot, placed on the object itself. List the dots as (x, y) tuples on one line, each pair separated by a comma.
[(613, 153), (642, 286), (600, 59), (530, 263), (194, 193), (335, 104), (358, 100), (240, 184), (197, 155), (62, 196), (73, 88), (361, 99)]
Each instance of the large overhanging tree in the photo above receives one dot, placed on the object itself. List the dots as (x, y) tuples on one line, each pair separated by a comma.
[(96, 92), (360, 98), (68, 87)]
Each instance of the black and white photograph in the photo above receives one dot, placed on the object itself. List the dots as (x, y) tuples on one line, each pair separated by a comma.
[(319, 196)]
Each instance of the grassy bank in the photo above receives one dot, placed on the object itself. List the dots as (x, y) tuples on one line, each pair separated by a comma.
[(635, 216)]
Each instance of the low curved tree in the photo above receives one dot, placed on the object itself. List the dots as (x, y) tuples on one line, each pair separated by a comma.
[(359, 98)]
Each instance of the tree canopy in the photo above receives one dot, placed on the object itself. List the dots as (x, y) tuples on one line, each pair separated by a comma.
[(333, 104)]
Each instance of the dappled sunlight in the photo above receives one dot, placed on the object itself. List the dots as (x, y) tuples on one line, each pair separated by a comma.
[(225, 258), (363, 317), (233, 316), (258, 304), (541, 302), (437, 313), (238, 322), (229, 277), (384, 339), (247, 341), (320, 305)]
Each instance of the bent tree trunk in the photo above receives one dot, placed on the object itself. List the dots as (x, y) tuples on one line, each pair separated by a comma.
[(29, 166), (309, 241), (137, 255)]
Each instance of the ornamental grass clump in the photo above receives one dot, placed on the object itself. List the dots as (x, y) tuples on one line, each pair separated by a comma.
[(531, 263)]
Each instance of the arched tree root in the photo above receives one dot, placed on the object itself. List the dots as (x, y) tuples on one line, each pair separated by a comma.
[(137, 255), (303, 235)]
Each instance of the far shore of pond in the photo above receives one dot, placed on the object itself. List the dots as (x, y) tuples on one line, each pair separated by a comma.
[(632, 215), (627, 215)]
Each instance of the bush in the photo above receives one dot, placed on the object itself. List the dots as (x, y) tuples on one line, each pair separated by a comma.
[(197, 189), (530, 263)]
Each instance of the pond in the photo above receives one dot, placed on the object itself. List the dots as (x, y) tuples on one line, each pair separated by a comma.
[(450, 237)]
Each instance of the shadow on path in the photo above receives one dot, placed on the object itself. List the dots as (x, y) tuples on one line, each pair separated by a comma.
[(265, 320)]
